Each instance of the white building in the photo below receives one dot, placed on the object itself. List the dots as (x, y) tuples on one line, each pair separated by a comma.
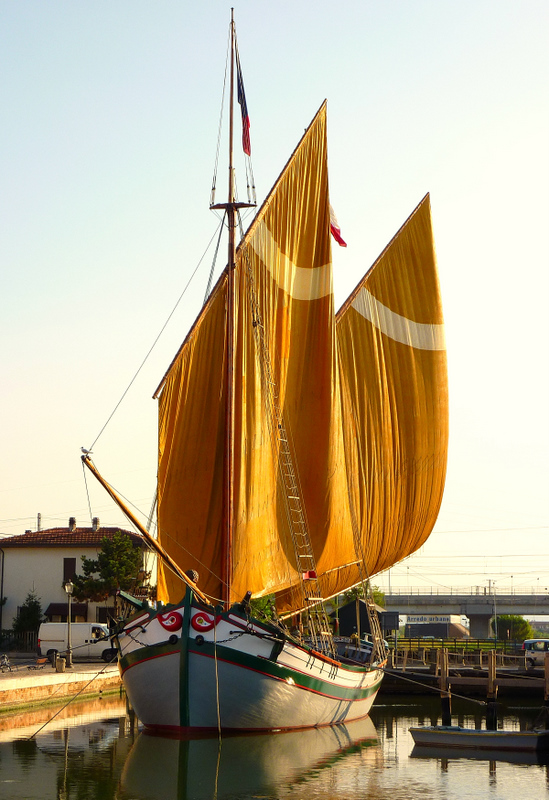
[(42, 561)]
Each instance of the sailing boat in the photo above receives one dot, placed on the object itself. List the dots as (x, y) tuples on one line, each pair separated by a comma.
[(300, 452)]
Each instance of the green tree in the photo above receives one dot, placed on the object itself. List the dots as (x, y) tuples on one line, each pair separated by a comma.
[(358, 592), (117, 566), (263, 607), (512, 626), (30, 614)]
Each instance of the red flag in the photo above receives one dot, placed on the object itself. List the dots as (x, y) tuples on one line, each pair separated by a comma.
[(246, 144), (335, 230)]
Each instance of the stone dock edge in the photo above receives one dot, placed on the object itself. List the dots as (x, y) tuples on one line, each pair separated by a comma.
[(18, 689)]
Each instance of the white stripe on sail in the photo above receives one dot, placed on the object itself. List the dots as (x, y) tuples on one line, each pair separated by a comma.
[(420, 335), (301, 283)]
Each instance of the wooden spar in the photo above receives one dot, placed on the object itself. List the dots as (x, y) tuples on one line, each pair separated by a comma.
[(144, 532), (228, 465), (231, 208)]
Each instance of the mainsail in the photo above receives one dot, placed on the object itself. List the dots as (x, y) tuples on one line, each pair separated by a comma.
[(285, 261), (392, 360)]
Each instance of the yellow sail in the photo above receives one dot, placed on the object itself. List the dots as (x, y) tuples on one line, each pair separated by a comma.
[(392, 361), (285, 259), (191, 416)]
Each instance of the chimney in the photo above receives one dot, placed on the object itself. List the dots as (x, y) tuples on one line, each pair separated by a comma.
[(72, 523), (39, 522), (96, 524)]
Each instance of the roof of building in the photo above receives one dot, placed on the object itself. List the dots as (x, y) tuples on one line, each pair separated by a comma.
[(62, 610), (67, 537)]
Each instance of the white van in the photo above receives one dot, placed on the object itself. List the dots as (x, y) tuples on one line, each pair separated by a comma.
[(534, 650), (88, 640)]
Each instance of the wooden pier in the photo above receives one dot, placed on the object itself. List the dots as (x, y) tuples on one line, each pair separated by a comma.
[(482, 673)]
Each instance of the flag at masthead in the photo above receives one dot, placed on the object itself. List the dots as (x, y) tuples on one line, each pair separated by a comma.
[(246, 144)]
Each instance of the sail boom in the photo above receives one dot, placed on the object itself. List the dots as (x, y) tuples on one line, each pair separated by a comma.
[(143, 531)]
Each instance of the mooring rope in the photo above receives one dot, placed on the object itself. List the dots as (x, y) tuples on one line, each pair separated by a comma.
[(431, 688), (72, 698)]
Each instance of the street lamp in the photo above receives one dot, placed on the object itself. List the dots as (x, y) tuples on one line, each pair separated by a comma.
[(69, 586)]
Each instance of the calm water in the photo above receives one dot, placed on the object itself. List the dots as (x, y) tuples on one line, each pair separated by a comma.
[(91, 752)]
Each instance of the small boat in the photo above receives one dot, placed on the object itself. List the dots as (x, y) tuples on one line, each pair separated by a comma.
[(300, 452), (454, 736)]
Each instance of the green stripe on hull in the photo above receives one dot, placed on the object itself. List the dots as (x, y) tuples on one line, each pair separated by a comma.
[(283, 673), (145, 653), (184, 663), (257, 664)]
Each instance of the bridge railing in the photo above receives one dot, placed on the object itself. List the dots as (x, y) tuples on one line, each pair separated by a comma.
[(472, 590), (461, 652)]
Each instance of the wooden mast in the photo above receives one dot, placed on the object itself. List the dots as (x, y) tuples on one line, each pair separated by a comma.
[(228, 478), (231, 209)]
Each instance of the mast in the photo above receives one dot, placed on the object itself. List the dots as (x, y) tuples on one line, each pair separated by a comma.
[(231, 209), (228, 478)]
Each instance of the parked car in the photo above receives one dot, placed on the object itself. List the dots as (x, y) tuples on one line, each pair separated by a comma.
[(88, 640), (534, 650)]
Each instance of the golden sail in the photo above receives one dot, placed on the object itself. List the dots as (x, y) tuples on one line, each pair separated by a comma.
[(392, 361)]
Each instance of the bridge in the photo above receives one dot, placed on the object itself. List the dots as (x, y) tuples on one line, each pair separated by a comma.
[(480, 605)]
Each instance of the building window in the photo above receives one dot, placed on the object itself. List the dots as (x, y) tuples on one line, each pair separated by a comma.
[(69, 569)]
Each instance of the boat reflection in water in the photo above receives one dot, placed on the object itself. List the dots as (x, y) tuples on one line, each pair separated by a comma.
[(159, 768), (446, 754)]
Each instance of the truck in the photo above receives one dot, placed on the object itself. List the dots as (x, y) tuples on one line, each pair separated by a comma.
[(88, 640)]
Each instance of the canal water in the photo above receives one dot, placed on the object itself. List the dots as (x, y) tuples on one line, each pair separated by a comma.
[(93, 751)]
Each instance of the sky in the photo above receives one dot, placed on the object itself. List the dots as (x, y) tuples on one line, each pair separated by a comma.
[(109, 125)]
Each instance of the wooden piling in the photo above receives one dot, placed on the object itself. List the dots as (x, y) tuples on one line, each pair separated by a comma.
[(491, 694), (445, 693)]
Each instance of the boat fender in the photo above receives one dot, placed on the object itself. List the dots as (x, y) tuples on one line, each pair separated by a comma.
[(173, 639), (199, 640)]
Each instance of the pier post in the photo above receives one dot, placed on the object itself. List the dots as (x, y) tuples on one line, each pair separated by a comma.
[(445, 693), (492, 706), (546, 689)]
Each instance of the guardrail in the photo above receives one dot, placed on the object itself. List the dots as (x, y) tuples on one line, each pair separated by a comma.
[(470, 591), (26, 642), (503, 646), (408, 655)]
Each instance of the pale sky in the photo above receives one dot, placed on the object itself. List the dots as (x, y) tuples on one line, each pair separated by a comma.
[(109, 119)]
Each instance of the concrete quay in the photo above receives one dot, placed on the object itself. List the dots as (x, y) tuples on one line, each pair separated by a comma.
[(23, 686)]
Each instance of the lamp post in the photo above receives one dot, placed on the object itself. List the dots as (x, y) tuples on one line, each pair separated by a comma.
[(69, 586), (2, 594)]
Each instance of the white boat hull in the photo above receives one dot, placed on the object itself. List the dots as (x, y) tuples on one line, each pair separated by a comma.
[(232, 673), (454, 736)]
